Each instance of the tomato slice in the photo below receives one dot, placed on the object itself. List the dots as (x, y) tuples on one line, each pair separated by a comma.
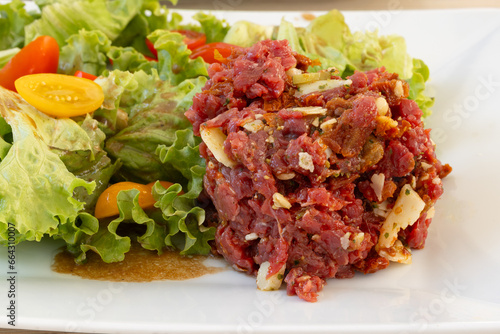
[(150, 58), (60, 95), (85, 75), (39, 56), (151, 48), (193, 39), (209, 51), (107, 205)]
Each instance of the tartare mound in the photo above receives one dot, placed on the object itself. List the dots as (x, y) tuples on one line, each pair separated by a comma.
[(313, 176)]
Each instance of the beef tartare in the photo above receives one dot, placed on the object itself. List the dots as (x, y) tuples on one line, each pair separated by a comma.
[(313, 176)]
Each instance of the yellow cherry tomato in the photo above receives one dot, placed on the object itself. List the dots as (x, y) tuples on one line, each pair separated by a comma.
[(60, 95), (107, 205)]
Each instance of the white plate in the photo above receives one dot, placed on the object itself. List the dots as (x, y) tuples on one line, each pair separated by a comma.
[(452, 285)]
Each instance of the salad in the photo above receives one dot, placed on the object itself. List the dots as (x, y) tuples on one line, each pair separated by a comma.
[(130, 170)]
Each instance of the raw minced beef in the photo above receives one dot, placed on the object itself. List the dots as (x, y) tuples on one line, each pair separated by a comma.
[(304, 182)]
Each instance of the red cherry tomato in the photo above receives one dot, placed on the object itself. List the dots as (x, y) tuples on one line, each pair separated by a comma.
[(151, 48), (85, 75), (150, 58), (39, 56), (192, 38), (208, 51)]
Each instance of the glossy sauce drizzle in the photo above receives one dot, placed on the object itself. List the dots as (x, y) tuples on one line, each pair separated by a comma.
[(140, 265)]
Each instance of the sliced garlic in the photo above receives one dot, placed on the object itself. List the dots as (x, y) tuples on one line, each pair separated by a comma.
[(254, 126), (405, 212), (251, 236), (382, 106), (327, 125), (214, 139), (306, 161), (397, 253), (344, 240), (307, 111), (398, 89), (320, 85), (280, 201), (387, 122), (378, 184), (285, 176), (271, 283)]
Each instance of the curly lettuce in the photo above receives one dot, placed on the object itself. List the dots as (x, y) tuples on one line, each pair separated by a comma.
[(61, 19), (185, 219), (13, 18), (151, 16), (177, 224), (153, 120), (174, 64), (214, 29), (27, 175), (85, 51)]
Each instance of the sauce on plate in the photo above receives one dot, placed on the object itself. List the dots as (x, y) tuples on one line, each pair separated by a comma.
[(139, 265)]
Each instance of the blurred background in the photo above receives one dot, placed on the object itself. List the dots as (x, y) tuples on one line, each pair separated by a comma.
[(285, 5)]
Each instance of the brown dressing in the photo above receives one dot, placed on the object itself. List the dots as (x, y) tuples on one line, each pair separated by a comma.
[(140, 265)]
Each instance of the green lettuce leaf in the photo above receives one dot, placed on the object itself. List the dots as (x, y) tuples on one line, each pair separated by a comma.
[(123, 93), (6, 55), (13, 19), (62, 19), (214, 29), (80, 147), (91, 164), (246, 34), (297, 38), (178, 223), (5, 138), (58, 133), (174, 64), (153, 121), (90, 234), (85, 51), (185, 219), (28, 172), (129, 59), (288, 31), (151, 16), (417, 86), (110, 246), (331, 29)]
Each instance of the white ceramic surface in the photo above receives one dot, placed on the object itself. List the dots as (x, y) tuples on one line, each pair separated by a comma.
[(452, 285)]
